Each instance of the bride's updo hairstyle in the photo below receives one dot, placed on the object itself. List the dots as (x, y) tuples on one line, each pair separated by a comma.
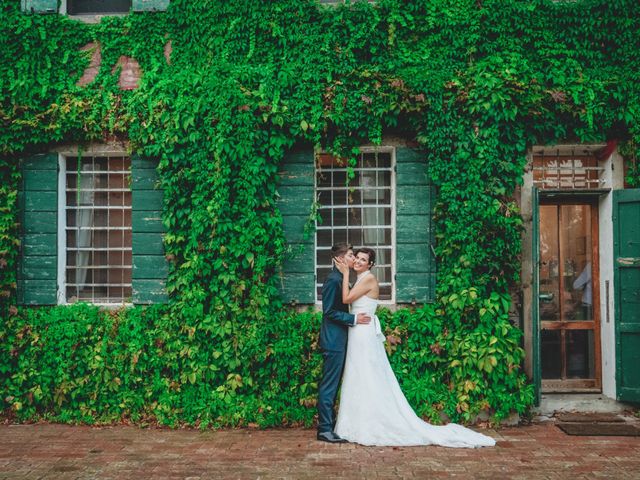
[(370, 252)]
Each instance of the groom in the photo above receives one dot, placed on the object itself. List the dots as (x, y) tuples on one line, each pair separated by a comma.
[(336, 321)]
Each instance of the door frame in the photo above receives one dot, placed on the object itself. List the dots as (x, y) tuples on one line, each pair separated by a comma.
[(542, 197)]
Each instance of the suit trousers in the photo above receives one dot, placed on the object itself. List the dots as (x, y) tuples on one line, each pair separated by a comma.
[(328, 390)]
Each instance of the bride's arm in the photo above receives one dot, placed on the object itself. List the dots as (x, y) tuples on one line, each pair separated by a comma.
[(362, 288)]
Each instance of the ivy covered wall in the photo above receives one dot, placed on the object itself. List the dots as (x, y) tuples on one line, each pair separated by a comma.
[(227, 89)]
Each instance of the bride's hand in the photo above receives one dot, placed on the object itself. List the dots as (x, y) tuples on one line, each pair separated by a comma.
[(341, 266)]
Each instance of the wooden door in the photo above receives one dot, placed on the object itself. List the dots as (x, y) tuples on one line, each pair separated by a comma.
[(569, 295)]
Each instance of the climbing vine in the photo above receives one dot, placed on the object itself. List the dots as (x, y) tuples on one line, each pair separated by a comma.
[(228, 87)]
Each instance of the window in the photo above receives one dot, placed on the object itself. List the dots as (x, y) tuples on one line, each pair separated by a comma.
[(568, 169), (97, 229), (360, 212), (83, 7), (86, 8)]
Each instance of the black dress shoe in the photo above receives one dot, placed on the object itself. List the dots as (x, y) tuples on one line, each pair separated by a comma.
[(330, 437)]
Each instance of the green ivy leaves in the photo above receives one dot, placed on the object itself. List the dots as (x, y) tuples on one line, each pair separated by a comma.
[(476, 84)]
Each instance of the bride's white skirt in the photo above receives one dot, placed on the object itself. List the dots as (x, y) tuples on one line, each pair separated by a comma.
[(374, 411)]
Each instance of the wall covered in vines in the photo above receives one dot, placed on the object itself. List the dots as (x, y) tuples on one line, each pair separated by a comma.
[(227, 88)]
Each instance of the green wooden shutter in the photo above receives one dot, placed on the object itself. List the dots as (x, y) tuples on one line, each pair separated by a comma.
[(150, 266), (626, 247), (149, 5), (296, 190), (415, 197), (40, 6), (37, 275)]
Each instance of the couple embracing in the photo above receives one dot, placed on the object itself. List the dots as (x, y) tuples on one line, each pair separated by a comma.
[(373, 410)]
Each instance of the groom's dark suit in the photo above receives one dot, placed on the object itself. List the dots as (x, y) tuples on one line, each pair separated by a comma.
[(336, 320)]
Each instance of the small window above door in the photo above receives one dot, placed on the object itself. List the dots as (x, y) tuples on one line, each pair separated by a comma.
[(569, 168)]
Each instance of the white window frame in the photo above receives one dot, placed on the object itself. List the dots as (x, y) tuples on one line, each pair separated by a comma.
[(318, 281), (62, 220)]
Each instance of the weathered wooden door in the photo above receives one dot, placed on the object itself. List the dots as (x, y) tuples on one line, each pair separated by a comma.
[(568, 296), (626, 238)]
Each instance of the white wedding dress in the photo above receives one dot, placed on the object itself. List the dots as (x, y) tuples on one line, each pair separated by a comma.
[(373, 410)]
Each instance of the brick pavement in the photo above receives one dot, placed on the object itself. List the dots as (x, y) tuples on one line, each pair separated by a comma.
[(539, 451)]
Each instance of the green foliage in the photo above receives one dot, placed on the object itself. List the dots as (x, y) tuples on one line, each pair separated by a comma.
[(475, 83), (632, 174), (147, 365), (83, 364), (449, 372), (9, 177)]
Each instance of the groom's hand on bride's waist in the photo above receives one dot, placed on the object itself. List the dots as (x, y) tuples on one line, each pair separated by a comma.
[(363, 318)]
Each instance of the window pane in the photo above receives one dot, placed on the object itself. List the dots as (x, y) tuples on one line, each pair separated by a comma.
[(580, 354), (325, 217), (549, 267), (551, 357), (98, 224), (339, 197), (340, 217), (78, 7), (340, 236), (576, 242), (324, 238)]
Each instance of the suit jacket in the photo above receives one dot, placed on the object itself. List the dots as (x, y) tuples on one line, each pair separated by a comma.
[(336, 318)]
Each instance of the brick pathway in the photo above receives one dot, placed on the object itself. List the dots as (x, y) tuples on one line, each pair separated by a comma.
[(526, 452)]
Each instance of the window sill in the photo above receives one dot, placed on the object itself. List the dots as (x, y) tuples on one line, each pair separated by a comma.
[(102, 306), (93, 18)]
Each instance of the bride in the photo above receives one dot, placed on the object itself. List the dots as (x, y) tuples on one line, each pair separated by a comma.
[(373, 410)]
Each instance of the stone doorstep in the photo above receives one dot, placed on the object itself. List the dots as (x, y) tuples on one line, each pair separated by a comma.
[(552, 404)]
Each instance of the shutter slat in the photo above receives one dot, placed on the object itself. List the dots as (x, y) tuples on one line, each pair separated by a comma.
[(150, 267), (146, 199), (300, 258), (41, 201), (39, 244), (413, 228), (41, 222), (39, 268), (38, 292), (147, 291), (147, 221), (144, 179), (414, 258)]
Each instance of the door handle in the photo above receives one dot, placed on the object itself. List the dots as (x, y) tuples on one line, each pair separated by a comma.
[(546, 297)]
